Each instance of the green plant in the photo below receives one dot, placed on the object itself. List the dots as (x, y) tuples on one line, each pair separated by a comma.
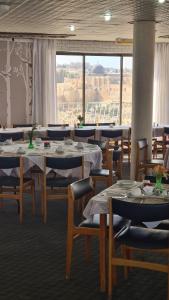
[(80, 118)]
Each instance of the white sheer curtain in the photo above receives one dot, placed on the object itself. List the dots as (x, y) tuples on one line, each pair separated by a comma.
[(161, 84), (44, 82)]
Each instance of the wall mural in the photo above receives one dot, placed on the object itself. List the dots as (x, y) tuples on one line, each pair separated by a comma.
[(15, 82)]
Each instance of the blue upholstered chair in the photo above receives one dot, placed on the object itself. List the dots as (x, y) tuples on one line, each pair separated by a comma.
[(22, 125), (83, 134), (114, 137), (13, 187), (142, 161), (58, 134), (80, 192), (90, 124), (15, 136), (56, 187), (137, 238), (58, 125)]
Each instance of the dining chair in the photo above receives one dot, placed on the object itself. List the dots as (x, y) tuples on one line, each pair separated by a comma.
[(165, 223), (142, 161), (107, 124), (106, 174), (114, 136), (58, 125), (82, 134), (137, 238), (165, 139), (90, 124), (126, 145), (58, 134), (15, 136), (12, 187), (56, 187), (22, 125), (81, 191), (116, 156)]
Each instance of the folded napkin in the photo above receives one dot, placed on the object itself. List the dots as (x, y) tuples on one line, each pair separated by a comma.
[(134, 193)]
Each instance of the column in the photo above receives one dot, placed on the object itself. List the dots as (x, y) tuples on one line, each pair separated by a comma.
[(143, 75)]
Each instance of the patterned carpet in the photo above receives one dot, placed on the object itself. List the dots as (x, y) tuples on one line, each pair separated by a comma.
[(32, 263)]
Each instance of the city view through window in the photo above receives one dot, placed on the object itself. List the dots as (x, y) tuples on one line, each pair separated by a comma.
[(100, 91)]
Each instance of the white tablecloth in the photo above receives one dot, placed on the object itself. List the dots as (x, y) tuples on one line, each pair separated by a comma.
[(92, 156), (99, 203)]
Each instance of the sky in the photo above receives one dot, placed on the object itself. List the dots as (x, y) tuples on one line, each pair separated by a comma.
[(105, 61)]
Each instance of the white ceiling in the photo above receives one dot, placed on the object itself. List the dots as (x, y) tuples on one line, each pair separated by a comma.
[(54, 17)]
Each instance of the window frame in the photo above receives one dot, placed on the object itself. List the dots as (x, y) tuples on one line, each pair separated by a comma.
[(83, 55)]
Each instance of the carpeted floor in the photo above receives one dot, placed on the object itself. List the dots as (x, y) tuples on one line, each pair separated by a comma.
[(32, 263)]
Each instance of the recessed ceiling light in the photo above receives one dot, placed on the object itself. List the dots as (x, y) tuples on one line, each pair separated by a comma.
[(161, 1), (107, 16), (72, 27)]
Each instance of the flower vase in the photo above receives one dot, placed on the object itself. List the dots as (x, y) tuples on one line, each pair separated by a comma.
[(31, 145), (158, 184), (81, 125)]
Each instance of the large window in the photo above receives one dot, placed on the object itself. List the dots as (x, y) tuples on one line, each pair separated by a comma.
[(98, 87), (102, 89), (69, 74), (127, 90)]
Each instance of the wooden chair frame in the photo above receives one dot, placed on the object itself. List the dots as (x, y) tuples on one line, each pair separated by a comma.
[(108, 165), (74, 231), (144, 164), (53, 194), (16, 193)]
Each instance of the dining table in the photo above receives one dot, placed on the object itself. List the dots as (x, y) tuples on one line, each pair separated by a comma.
[(92, 154), (126, 190)]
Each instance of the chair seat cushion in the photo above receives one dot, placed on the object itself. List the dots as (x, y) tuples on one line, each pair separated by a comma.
[(145, 238), (119, 222), (11, 181), (60, 181), (99, 172)]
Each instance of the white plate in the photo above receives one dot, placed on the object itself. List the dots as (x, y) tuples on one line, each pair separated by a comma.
[(126, 182)]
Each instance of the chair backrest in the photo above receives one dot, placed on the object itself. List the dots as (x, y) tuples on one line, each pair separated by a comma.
[(84, 132), (58, 134), (64, 163), (106, 124), (58, 125), (9, 162), (166, 130), (15, 136), (81, 188), (90, 124), (141, 212), (22, 125), (112, 134), (78, 191), (142, 148), (141, 156)]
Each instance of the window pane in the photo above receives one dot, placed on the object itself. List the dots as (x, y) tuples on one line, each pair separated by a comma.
[(69, 88), (127, 90), (102, 89)]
